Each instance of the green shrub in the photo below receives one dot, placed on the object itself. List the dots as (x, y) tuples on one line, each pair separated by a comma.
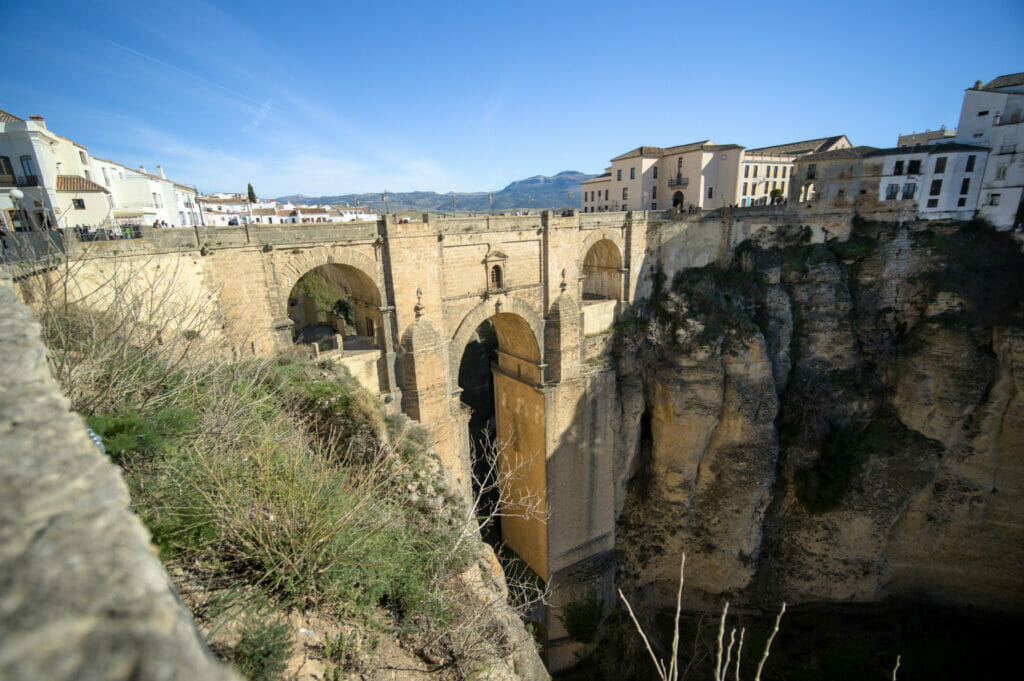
[(130, 431), (263, 650), (581, 619)]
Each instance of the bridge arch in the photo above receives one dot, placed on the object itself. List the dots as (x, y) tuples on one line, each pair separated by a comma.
[(334, 297), (512, 333), (291, 266), (500, 380)]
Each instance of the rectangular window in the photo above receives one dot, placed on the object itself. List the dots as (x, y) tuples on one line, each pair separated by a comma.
[(914, 167), (618, 174), (88, 175), (898, 168), (654, 206), (711, 192), (961, 202), (993, 199), (983, 113), (970, 163), (909, 189), (965, 186), (156, 200), (940, 165), (81, 155), (744, 189), (654, 192), (936, 188), (106, 177), (892, 192), (605, 194), (775, 171), (755, 171), (746, 172), (1001, 172), (26, 165), (932, 203), (773, 186), (654, 172), (78, 204), (632, 173), (625, 193), (812, 171), (784, 172)]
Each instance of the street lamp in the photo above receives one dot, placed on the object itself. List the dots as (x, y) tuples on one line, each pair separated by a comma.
[(18, 195)]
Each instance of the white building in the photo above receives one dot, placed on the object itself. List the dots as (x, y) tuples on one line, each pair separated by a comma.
[(992, 115), (943, 178), (144, 198), (63, 186), (222, 210)]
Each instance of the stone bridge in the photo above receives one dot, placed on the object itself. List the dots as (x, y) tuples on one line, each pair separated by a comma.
[(551, 287)]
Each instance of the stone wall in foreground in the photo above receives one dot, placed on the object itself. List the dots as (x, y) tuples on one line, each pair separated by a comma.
[(82, 593)]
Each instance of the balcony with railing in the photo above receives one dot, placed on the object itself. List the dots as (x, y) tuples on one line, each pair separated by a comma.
[(1007, 148), (15, 181), (678, 181)]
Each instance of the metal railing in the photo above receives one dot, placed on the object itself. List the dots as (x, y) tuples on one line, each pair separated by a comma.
[(678, 181)]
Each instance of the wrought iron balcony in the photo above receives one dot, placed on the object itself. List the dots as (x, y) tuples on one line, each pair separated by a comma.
[(679, 181)]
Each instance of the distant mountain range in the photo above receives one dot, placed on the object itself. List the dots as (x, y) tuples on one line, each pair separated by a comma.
[(538, 192)]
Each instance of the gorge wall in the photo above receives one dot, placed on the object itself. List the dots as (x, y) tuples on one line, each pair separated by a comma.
[(838, 421)]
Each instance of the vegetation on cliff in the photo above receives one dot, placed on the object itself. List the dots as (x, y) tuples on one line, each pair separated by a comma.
[(303, 526)]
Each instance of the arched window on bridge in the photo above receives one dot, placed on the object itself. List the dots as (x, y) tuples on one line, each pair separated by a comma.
[(496, 280)]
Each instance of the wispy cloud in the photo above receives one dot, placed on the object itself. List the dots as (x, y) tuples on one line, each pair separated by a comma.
[(260, 115), (195, 77)]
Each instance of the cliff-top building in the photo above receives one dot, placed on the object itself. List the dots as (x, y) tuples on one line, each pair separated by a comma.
[(701, 175), (978, 170)]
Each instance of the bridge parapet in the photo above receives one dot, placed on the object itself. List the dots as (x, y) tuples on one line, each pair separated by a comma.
[(614, 219)]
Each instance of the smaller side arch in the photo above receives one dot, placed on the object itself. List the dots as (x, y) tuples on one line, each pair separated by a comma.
[(291, 267)]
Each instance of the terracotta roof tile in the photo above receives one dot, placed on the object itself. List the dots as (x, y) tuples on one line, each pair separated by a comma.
[(8, 117), (75, 183)]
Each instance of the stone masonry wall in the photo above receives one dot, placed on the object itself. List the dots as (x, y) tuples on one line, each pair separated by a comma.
[(82, 594)]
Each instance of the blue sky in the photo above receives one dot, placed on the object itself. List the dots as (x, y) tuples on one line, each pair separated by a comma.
[(351, 97)]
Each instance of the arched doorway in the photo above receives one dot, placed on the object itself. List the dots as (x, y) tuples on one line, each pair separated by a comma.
[(678, 201), (500, 378), (336, 309)]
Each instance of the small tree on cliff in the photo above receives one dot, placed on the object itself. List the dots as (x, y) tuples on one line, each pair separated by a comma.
[(252, 194)]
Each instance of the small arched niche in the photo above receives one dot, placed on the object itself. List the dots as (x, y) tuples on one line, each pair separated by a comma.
[(602, 272)]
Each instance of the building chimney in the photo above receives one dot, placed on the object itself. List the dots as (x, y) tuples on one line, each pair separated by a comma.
[(36, 118), (142, 168), (977, 85), (160, 172)]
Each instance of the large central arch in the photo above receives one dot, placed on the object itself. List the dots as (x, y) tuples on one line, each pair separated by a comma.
[(520, 421)]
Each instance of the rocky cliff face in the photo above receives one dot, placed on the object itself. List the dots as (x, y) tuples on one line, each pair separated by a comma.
[(831, 422)]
